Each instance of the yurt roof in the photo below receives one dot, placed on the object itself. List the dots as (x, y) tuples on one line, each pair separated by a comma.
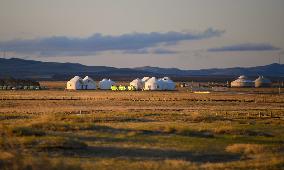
[(76, 78), (106, 81), (145, 78), (243, 80), (261, 79), (153, 79), (88, 78), (166, 78), (137, 80), (242, 77)]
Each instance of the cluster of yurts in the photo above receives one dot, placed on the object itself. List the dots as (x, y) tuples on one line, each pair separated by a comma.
[(147, 83), (243, 81)]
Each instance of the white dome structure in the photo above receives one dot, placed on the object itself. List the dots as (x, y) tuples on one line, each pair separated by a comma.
[(152, 84), (161, 84), (106, 84), (89, 83), (242, 81), (262, 82), (137, 83), (144, 79), (76, 83), (166, 84)]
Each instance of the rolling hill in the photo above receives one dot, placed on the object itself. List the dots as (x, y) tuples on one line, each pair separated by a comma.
[(20, 68)]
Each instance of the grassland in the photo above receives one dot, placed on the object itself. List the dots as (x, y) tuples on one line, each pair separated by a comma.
[(57, 129)]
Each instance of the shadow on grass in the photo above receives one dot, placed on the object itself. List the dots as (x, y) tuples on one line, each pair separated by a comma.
[(150, 154), (184, 132)]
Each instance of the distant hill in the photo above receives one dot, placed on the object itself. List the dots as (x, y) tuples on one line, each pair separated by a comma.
[(267, 70), (20, 68)]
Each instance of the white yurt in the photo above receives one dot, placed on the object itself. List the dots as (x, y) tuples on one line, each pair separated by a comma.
[(161, 84), (137, 83), (76, 83), (242, 81), (151, 84), (144, 79), (262, 82), (106, 84), (89, 83), (168, 84)]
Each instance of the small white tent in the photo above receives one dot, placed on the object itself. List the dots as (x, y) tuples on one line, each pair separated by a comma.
[(262, 82), (151, 84), (168, 84), (144, 79), (106, 84), (89, 83), (242, 81), (137, 83), (76, 83), (161, 84)]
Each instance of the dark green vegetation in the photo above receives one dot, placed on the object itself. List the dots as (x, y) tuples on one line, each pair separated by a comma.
[(140, 130)]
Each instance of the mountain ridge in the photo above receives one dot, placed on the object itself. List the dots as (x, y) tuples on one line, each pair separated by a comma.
[(17, 67)]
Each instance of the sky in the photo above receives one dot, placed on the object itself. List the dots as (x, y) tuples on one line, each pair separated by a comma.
[(185, 34)]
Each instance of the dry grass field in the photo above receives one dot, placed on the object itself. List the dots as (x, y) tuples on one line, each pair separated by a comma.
[(58, 129)]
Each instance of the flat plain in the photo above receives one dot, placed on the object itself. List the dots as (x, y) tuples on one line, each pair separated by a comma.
[(59, 129)]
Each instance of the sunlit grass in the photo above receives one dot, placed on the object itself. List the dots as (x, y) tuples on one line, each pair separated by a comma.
[(140, 130)]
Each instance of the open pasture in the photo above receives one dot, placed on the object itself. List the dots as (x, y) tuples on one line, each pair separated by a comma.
[(57, 129)]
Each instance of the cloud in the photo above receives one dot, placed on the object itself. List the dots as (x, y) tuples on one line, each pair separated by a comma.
[(245, 47), (163, 51), (136, 51), (61, 45), (150, 51)]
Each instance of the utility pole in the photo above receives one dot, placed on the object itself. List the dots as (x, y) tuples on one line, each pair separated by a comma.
[(279, 85)]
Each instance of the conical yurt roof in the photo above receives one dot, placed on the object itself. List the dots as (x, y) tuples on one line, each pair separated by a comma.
[(152, 80), (242, 77), (262, 79), (104, 79), (76, 78), (107, 81), (145, 78), (88, 78), (137, 80), (110, 81)]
